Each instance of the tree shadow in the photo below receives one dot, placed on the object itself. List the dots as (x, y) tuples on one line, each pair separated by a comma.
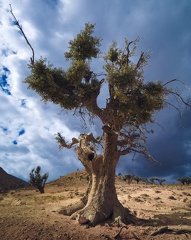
[(173, 219)]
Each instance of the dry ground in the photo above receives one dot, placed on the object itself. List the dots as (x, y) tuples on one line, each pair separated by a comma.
[(27, 214)]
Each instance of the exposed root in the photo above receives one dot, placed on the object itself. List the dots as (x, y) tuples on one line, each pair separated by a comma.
[(118, 234), (118, 222), (171, 231), (122, 216), (91, 214), (72, 208), (160, 231)]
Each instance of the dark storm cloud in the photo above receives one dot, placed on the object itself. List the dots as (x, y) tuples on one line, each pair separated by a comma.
[(171, 147)]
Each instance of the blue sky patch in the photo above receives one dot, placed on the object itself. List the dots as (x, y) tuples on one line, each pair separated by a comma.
[(15, 142), (6, 52), (21, 132), (3, 80), (52, 3)]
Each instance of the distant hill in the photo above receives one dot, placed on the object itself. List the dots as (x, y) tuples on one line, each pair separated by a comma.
[(8, 181), (74, 179)]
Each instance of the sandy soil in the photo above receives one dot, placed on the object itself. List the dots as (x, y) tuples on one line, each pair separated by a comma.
[(27, 214)]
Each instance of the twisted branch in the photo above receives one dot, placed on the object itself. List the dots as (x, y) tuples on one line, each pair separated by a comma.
[(20, 28)]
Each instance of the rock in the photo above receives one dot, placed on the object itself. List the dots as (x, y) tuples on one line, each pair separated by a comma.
[(82, 220)]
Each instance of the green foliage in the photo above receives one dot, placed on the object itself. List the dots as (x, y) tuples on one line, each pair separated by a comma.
[(84, 46), (131, 102), (77, 71), (51, 84), (37, 180), (134, 100)]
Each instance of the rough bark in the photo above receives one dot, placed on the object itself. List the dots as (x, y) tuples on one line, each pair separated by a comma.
[(100, 201)]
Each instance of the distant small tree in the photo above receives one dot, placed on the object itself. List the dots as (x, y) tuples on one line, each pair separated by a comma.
[(145, 180), (137, 179), (184, 180), (160, 180), (37, 180), (128, 178), (152, 180)]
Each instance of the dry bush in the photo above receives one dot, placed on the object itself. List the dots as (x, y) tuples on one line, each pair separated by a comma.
[(171, 198)]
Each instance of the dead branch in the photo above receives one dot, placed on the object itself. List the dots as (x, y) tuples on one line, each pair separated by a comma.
[(20, 28), (180, 97), (118, 234), (175, 93), (141, 59), (160, 231), (173, 80), (144, 151), (62, 142), (171, 231), (125, 151)]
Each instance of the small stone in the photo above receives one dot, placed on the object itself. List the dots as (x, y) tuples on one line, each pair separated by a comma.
[(82, 220)]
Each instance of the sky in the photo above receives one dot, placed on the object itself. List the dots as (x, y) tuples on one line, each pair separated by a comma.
[(28, 126)]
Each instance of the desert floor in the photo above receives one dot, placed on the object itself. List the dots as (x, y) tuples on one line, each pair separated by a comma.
[(26, 214)]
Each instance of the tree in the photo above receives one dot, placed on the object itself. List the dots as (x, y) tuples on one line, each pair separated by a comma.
[(152, 180), (129, 105), (137, 179), (128, 178), (159, 180), (37, 180), (184, 180)]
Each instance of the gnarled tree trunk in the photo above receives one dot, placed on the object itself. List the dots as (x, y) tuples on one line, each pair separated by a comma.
[(101, 201)]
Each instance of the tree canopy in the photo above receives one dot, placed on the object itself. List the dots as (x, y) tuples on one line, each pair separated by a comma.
[(131, 101)]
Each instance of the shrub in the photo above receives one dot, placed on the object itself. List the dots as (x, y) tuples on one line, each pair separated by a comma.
[(37, 180)]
